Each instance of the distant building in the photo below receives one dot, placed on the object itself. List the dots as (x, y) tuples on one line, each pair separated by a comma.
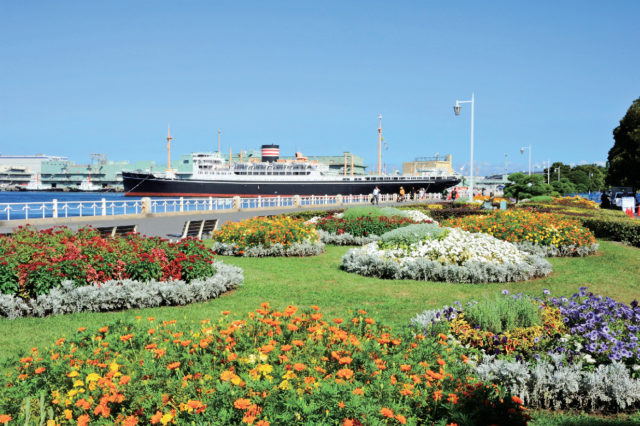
[(428, 164)]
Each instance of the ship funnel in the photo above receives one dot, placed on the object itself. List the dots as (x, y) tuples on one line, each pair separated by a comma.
[(270, 153)]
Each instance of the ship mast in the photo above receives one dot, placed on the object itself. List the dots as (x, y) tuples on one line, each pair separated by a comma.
[(169, 138), (380, 144)]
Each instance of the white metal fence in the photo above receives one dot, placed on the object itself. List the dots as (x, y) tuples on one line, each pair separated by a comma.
[(103, 207)]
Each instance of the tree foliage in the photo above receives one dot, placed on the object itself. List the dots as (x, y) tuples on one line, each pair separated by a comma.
[(522, 186), (583, 178), (624, 156)]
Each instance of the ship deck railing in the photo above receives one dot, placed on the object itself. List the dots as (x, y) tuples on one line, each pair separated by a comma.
[(104, 207)]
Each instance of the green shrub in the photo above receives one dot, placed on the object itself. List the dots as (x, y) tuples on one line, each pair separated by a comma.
[(542, 199), (370, 211), (408, 235), (503, 313), (441, 214), (617, 229)]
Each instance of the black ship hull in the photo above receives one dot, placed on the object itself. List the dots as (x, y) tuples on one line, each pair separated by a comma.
[(147, 185)]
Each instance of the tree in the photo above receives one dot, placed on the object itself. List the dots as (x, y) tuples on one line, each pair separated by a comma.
[(624, 156), (564, 186), (522, 186)]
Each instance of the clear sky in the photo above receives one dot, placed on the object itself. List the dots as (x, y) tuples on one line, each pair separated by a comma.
[(81, 77)]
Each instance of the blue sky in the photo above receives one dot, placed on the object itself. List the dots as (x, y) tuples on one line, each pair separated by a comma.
[(106, 77)]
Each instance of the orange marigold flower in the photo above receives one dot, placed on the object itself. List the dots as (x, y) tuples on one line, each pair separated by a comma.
[(285, 348), (316, 317), (124, 380), (297, 342), (151, 330), (242, 403), (103, 329), (83, 420), (345, 373), (452, 398), (299, 366), (226, 375), (81, 329), (262, 423), (5, 418), (341, 404), (338, 320), (292, 327), (345, 360), (347, 422), (369, 321), (405, 367), (126, 337), (27, 359), (387, 412), (173, 365), (441, 361), (401, 419), (517, 400), (358, 391), (437, 395), (315, 308), (194, 404), (39, 370), (130, 421), (362, 311), (155, 419), (226, 312), (266, 349)]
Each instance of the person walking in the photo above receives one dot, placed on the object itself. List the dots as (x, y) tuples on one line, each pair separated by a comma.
[(402, 194), (376, 195)]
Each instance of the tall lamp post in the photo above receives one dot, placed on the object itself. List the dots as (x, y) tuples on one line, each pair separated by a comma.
[(522, 152), (456, 109)]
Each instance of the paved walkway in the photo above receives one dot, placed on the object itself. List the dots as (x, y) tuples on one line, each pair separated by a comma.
[(164, 224)]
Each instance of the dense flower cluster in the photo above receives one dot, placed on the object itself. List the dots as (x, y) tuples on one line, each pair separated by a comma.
[(272, 367), (33, 262), (522, 226), (455, 247), (363, 226), (265, 232), (576, 201), (600, 329)]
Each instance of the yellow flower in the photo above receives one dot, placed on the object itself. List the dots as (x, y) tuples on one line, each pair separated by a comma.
[(78, 383), (113, 366), (73, 373), (93, 377), (284, 385), (166, 418)]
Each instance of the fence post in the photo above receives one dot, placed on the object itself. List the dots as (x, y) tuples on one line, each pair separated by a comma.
[(104, 207), (339, 199), (236, 202), (278, 201), (210, 203), (55, 208), (259, 201), (181, 204), (296, 201)]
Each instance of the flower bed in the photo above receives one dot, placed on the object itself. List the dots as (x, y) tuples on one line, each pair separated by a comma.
[(548, 234), (362, 225), (258, 237), (271, 367), (428, 253), (584, 355), (576, 201), (123, 294), (35, 262)]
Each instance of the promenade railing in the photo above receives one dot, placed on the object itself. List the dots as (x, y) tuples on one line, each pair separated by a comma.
[(104, 207)]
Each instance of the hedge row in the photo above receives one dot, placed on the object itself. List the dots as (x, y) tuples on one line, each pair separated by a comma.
[(625, 230)]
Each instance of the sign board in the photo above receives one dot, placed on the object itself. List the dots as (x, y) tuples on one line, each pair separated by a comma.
[(628, 203)]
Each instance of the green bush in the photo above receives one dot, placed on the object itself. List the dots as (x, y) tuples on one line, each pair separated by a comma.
[(542, 199), (617, 229), (404, 237), (441, 214), (503, 313), (370, 211)]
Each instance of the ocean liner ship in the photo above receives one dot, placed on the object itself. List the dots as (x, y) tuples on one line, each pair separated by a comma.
[(270, 176)]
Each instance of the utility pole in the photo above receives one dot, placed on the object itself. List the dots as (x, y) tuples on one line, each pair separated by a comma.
[(380, 144)]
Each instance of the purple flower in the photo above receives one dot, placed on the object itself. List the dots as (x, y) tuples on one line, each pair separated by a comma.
[(546, 291), (505, 292)]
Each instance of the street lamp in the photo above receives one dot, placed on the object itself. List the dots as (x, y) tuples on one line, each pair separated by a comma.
[(522, 152), (457, 109)]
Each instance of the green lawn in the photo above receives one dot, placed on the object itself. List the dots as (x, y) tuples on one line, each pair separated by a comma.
[(614, 271)]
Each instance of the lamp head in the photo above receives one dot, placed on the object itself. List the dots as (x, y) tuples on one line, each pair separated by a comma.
[(521, 150), (456, 109)]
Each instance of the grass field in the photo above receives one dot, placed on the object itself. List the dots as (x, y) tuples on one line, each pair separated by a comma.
[(614, 272)]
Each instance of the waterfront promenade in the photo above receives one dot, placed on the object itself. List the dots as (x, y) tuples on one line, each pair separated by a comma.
[(164, 224)]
